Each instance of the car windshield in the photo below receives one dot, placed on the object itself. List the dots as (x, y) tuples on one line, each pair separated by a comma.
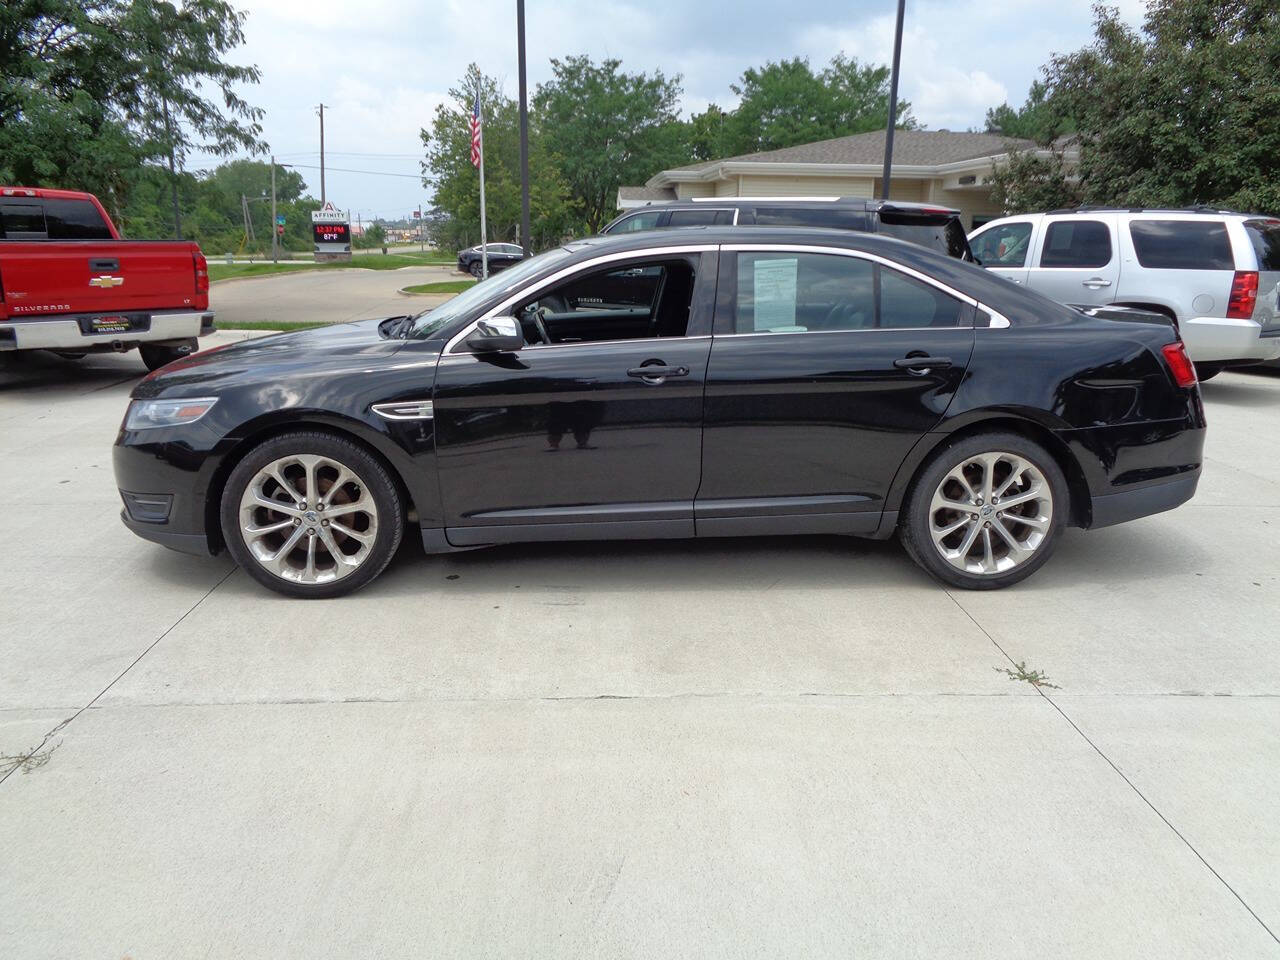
[(427, 323)]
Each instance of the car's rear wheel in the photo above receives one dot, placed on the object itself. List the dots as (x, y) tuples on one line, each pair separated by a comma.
[(156, 355), (985, 512), (311, 515)]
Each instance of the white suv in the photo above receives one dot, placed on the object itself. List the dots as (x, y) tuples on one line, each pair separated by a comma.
[(1216, 273)]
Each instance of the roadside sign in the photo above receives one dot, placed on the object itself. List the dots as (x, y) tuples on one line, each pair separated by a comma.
[(331, 233), (279, 219)]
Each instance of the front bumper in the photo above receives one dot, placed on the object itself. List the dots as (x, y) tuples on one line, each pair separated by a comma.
[(69, 333), (1213, 339), (196, 544)]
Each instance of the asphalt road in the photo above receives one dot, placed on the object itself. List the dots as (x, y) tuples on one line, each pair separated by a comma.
[(329, 296), (764, 748)]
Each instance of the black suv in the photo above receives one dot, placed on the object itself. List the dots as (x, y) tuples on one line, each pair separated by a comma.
[(928, 225)]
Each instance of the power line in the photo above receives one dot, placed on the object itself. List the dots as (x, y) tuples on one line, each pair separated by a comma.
[(372, 173), (348, 153)]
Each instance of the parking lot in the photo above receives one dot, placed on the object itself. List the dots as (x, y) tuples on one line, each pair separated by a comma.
[(761, 748)]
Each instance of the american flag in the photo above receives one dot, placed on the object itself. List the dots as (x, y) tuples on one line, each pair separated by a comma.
[(475, 132)]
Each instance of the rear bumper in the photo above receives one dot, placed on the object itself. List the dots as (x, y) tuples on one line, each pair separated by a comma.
[(68, 333), (1127, 505), (1212, 339)]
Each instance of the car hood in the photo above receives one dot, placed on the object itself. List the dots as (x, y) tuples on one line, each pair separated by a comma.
[(316, 352)]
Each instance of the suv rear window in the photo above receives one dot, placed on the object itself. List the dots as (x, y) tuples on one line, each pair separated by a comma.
[(811, 217), (1265, 237), (1077, 243), (1182, 244), (944, 234)]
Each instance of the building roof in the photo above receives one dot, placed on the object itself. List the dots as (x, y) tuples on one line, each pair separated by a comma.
[(924, 148), (639, 196)]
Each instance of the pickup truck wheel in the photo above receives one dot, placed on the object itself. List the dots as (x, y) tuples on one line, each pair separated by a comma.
[(156, 355), (311, 515)]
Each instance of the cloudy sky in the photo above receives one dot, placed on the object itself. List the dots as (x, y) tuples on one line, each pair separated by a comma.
[(382, 66)]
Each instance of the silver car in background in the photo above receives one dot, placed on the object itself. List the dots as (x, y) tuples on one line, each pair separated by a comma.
[(1215, 272)]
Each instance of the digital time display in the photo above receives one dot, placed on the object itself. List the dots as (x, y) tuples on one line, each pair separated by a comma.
[(331, 232)]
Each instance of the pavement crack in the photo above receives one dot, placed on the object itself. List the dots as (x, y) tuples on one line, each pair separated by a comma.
[(65, 723), (1111, 763)]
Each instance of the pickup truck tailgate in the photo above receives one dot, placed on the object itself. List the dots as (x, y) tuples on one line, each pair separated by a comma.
[(79, 277)]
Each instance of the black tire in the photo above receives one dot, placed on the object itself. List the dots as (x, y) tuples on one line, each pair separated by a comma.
[(476, 269), (914, 528), (1207, 371), (376, 482), (156, 355)]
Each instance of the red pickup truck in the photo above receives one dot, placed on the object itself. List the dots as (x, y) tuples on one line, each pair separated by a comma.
[(69, 284)]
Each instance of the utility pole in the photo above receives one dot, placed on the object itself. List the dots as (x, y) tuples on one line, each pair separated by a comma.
[(893, 103), (275, 230), (524, 132), (322, 197)]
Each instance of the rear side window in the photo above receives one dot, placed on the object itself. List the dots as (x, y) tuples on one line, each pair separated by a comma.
[(74, 220), (1003, 246), (698, 218), (641, 221), (1265, 237), (1077, 243), (22, 219), (944, 235), (812, 217), (1182, 244), (816, 292)]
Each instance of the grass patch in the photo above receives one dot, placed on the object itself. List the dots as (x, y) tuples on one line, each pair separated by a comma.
[(370, 261), (272, 325), (444, 286)]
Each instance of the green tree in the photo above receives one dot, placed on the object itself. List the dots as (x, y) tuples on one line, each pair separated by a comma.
[(1184, 111), (1035, 120), (1029, 181), (606, 127), (785, 103), (91, 91), (456, 182)]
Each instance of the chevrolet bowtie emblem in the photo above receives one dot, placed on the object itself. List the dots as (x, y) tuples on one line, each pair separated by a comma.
[(106, 281)]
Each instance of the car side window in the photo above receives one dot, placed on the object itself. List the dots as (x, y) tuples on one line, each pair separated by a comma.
[(620, 303), (1182, 244), (695, 218), (1003, 246), (780, 292), (640, 221), (1076, 243)]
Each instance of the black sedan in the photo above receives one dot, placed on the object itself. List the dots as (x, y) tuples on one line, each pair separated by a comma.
[(712, 382), (501, 256)]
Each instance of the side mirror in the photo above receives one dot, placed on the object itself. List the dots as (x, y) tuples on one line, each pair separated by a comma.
[(496, 335)]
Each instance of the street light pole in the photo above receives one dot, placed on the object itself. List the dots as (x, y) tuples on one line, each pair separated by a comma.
[(524, 131), (322, 196), (893, 103), (275, 230)]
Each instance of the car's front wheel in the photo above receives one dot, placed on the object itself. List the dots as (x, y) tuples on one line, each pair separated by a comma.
[(986, 511), (311, 514), (477, 269)]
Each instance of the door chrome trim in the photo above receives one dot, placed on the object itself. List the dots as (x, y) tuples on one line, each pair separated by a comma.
[(569, 271)]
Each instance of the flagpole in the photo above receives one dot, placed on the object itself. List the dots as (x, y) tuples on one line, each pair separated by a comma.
[(484, 244)]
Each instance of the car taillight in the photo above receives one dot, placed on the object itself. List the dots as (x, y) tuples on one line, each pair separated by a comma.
[(1244, 295), (1180, 365), (202, 272)]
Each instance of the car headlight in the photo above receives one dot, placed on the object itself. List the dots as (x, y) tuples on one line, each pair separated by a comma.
[(146, 414)]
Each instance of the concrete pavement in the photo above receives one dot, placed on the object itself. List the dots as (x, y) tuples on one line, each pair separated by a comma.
[(327, 296), (779, 747)]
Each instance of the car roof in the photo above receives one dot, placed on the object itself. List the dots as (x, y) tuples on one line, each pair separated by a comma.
[(857, 203), (43, 193)]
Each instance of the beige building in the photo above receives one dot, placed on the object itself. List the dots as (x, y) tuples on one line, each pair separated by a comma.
[(937, 166)]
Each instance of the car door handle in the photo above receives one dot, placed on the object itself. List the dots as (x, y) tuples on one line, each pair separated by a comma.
[(654, 373), (1094, 283), (922, 363)]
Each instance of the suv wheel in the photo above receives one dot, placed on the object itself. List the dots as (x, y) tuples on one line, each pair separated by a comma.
[(311, 515), (985, 512), (156, 355)]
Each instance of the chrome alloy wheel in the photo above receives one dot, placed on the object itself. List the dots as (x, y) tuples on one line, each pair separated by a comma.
[(991, 513), (308, 519)]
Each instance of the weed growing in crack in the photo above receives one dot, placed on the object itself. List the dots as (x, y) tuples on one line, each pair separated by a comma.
[(1037, 678), (27, 762)]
